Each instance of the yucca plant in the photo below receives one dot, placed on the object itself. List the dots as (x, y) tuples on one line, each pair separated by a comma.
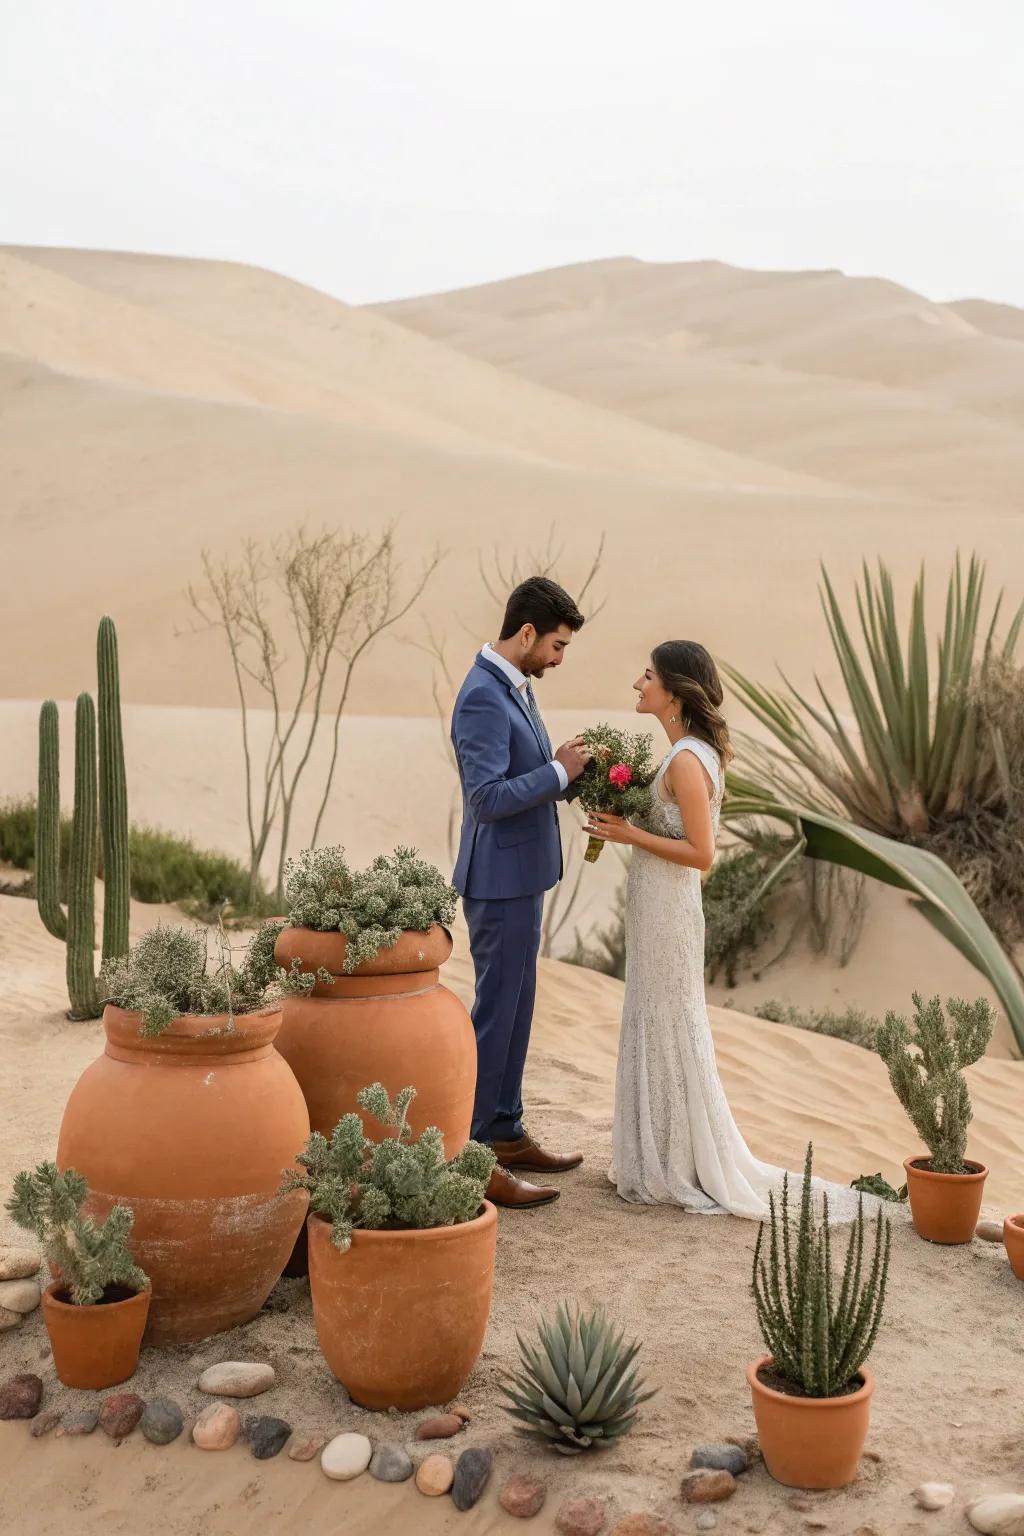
[(929, 1080), (818, 1339), (578, 1386)]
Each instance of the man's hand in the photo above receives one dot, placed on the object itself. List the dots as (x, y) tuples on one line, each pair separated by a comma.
[(574, 757)]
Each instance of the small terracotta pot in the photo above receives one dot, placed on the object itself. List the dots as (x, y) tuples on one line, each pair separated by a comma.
[(95, 1346), (811, 1442), (945, 1206), (401, 1316), (1013, 1241)]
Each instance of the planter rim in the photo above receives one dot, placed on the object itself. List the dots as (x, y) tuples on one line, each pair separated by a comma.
[(51, 1299), (976, 1170), (487, 1217), (865, 1372), (383, 962), (251, 1030)]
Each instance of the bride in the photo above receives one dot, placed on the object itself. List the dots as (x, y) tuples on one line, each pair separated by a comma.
[(675, 1140)]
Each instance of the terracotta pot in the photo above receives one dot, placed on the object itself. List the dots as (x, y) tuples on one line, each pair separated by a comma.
[(401, 1316), (1013, 1241), (811, 1442), (95, 1346), (192, 1129), (945, 1206), (391, 1022)]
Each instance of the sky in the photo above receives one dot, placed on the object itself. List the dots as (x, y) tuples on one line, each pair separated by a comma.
[(395, 147)]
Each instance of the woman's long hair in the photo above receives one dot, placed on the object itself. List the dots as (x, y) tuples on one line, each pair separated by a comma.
[(689, 674)]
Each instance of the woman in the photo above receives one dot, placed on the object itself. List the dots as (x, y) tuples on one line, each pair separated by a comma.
[(675, 1140)]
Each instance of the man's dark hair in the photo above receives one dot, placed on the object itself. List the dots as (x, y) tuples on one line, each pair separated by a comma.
[(542, 603)]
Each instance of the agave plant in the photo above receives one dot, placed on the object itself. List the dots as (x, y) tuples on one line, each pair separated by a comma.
[(578, 1386)]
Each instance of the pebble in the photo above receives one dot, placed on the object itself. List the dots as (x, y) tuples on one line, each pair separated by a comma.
[(20, 1396), (391, 1463), (435, 1476), (998, 1514), (461, 1413), (721, 1458), (9, 1319), (266, 1436), (472, 1473), (44, 1422), (237, 1378), (18, 1263), (581, 1517), (707, 1520), (707, 1487), (19, 1295), (217, 1427), (305, 1444), (641, 1525), (989, 1231), (81, 1423), (523, 1497), (346, 1456), (162, 1421), (934, 1495), (441, 1428), (119, 1414)]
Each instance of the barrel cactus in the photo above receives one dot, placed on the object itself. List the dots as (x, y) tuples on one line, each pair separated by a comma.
[(578, 1386)]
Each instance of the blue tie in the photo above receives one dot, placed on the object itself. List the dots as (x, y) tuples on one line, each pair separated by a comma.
[(538, 722)]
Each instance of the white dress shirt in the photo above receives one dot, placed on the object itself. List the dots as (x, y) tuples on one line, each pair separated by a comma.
[(519, 683)]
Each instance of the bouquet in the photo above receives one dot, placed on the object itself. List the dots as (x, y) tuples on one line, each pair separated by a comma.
[(617, 779)]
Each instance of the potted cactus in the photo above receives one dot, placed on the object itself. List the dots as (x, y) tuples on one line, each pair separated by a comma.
[(945, 1189), (812, 1390), (401, 1255), (576, 1388), (96, 1306)]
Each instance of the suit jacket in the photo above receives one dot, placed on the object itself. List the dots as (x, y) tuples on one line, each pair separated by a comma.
[(509, 845)]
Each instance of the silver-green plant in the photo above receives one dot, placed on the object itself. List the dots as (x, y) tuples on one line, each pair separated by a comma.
[(930, 1084), (398, 1182), (90, 1258), (577, 1387), (168, 973), (818, 1339), (371, 907)]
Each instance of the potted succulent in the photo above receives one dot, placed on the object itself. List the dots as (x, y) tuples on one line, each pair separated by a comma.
[(1013, 1241), (401, 1255), (370, 943), (812, 1390), (96, 1306), (189, 1114), (944, 1188)]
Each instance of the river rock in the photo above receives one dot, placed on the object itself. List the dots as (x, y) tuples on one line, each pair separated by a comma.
[(706, 1520), (523, 1497), (440, 1428), (472, 1471), (391, 1463), (82, 1422), (707, 1487), (435, 1475), (162, 1421), (581, 1517), (934, 1495), (998, 1514), (9, 1319), (18, 1263), (265, 1435), (44, 1422), (119, 1414), (237, 1378), (19, 1295), (989, 1231), (305, 1444), (461, 1413), (217, 1427), (346, 1456), (20, 1396), (720, 1458)]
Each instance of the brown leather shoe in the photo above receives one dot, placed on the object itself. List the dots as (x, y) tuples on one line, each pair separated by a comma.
[(526, 1155), (505, 1189)]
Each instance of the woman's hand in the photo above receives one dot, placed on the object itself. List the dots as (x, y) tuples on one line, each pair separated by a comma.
[(610, 829)]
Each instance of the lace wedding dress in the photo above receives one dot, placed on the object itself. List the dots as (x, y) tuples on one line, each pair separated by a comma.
[(675, 1140)]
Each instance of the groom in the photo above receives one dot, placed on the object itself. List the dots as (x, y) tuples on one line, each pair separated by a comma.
[(510, 853)]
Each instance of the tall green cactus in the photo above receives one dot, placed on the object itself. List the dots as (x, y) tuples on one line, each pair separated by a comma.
[(103, 807)]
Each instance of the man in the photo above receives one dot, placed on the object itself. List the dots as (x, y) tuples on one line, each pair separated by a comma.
[(510, 853)]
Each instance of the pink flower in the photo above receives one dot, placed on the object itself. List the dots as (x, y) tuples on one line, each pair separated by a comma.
[(620, 774)]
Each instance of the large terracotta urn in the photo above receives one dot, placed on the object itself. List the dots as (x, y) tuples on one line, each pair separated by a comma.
[(193, 1128)]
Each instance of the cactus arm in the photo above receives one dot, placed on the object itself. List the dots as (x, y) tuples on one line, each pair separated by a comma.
[(48, 824), (81, 935), (113, 796)]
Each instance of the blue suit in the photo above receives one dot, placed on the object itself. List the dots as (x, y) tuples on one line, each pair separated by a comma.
[(510, 853)]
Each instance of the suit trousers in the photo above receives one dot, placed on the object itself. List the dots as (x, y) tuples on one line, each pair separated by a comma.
[(504, 936)]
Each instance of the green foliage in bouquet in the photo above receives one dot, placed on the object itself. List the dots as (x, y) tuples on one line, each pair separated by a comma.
[(397, 1183), (168, 973), (618, 777), (577, 1387), (818, 1339), (930, 1084), (371, 907), (89, 1257)]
